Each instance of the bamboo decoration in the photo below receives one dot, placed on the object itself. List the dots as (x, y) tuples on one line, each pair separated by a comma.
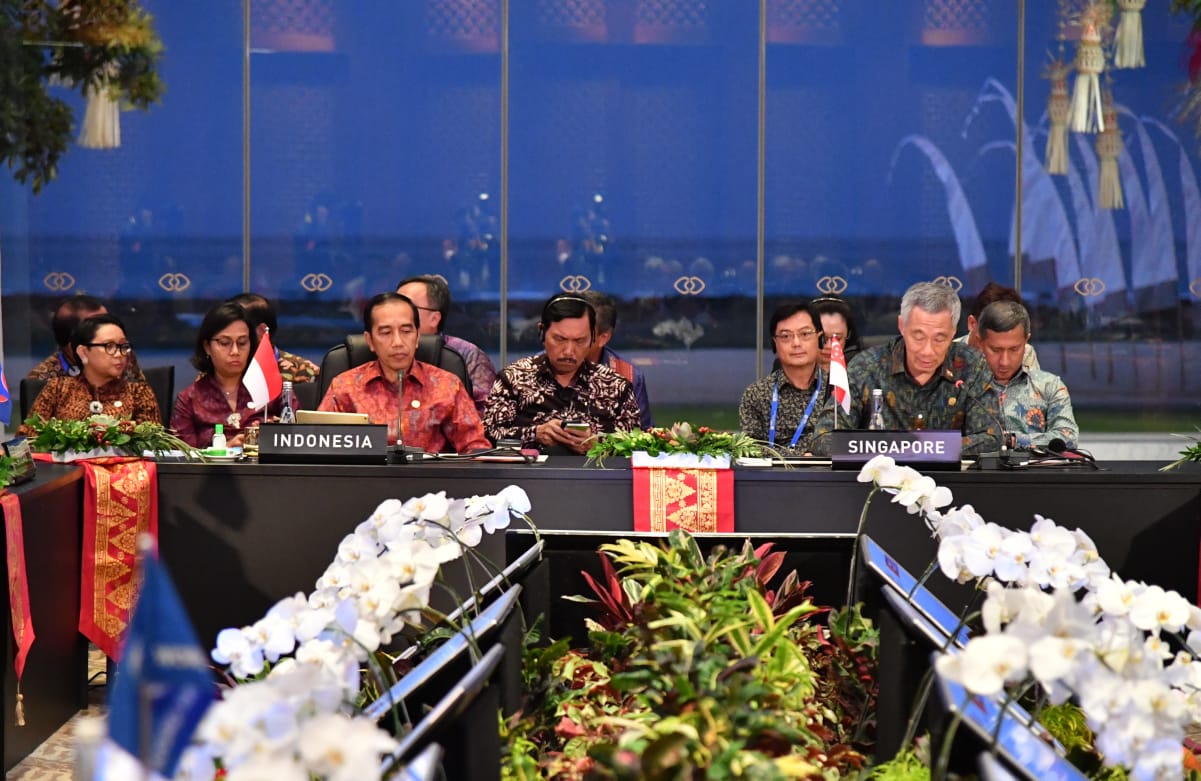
[(1128, 52), (1058, 105), (1086, 114), (1109, 148)]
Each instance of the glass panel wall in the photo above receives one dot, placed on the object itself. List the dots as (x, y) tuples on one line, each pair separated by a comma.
[(375, 152), (153, 227), (630, 165)]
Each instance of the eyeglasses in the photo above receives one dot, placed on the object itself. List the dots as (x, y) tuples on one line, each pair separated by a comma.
[(802, 335), (112, 348), (227, 344)]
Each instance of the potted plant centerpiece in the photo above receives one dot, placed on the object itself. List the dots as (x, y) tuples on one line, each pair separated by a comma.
[(102, 435), (682, 445)]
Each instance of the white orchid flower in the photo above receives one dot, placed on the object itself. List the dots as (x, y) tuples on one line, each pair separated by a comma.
[(1156, 609), (1012, 557), (986, 664), (880, 470), (343, 749), (431, 507), (235, 649), (958, 520), (274, 635)]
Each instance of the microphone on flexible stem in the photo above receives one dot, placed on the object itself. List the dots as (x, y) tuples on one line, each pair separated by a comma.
[(1005, 452), (400, 415)]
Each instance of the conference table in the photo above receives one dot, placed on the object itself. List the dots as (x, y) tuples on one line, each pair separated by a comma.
[(55, 681), (238, 537)]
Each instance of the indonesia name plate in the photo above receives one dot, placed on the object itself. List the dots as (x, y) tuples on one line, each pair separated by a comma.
[(323, 443)]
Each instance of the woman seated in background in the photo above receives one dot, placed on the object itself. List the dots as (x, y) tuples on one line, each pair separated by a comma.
[(224, 348), (837, 323), (102, 350)]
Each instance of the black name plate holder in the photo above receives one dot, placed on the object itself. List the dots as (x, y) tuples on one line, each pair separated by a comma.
[(934, 449), (322, 443)]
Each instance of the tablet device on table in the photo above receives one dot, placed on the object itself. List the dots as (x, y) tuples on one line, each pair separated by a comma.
[(342, 418)]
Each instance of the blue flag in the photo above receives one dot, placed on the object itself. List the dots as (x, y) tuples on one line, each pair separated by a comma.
[(164, 684), (6, 399)]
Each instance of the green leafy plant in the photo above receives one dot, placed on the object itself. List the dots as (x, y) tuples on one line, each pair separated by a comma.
[(6, 468), (103, 431), (680, 438), (107, 44), (696, 668)]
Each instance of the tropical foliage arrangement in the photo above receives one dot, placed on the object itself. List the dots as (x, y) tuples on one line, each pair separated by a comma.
[(101, 44), (696, 667), (680, 438), (102, 432)]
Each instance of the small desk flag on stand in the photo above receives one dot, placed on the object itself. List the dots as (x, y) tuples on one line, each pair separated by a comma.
[(838, 377), (262, 377), (164, 685)]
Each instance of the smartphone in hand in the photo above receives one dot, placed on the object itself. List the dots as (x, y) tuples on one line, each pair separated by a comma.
[(576, 427)]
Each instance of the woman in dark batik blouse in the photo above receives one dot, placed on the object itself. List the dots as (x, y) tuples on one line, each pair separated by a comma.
[(225, 345)]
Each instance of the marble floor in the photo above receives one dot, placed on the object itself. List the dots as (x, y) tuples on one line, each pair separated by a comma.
[(54, 760)]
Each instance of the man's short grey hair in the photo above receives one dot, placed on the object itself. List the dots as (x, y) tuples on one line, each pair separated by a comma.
[(932, 298), (1001, 317)]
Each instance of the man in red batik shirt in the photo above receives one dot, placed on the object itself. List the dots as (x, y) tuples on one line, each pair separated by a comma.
[(437, 412)]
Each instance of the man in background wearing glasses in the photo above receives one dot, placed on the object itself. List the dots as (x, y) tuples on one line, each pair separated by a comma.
[(782, 408), (431, 294)]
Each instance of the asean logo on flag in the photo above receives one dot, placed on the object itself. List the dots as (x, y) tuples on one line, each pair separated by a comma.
[(6, 401)]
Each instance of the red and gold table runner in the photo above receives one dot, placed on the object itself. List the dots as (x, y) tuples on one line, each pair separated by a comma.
[(696, 500), (120, 502), (18, 589)]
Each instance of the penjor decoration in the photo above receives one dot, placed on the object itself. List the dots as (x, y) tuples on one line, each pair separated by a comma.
[(102, 116), (1086, 115), (1128, 52), (1109, 148), (1058, 106)]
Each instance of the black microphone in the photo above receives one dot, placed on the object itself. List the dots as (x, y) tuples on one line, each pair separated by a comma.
[(399, 451), (1061, 449), (1004, 453)]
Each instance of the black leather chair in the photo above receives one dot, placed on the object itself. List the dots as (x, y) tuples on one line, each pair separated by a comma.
[(354, 352), (161, 380), (29, 390), (308, 394)]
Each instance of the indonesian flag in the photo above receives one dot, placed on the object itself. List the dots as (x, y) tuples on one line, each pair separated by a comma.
[(838, 377), (262, 376)]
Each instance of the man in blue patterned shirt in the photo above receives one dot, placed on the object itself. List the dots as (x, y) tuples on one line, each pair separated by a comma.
[(928, 380), (1035, 403)]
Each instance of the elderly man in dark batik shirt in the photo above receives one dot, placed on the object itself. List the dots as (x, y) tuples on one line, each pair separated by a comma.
[(929, 381), (534, 399), (782, 408)]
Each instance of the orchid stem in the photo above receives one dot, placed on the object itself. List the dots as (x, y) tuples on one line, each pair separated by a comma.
[(855, 546)]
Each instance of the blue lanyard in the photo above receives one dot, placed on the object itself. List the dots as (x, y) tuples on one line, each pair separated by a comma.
[(775, 406)]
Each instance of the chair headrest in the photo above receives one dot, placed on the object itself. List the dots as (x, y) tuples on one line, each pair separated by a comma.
[(357, 351)]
